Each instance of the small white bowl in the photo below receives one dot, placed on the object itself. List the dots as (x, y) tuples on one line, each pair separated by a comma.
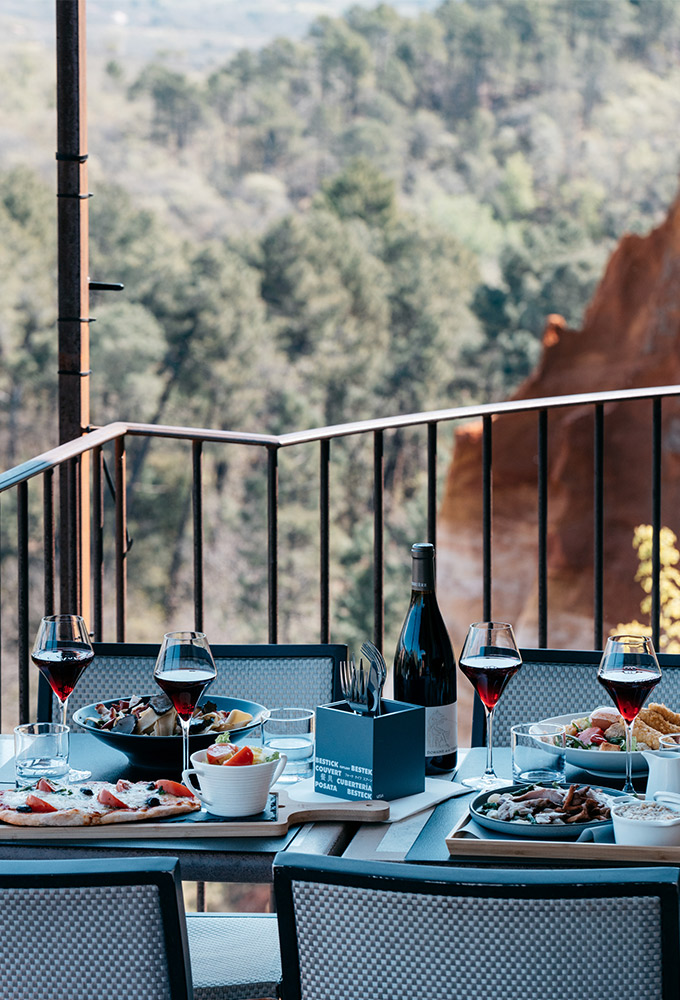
[(232, 791), (646, 823)]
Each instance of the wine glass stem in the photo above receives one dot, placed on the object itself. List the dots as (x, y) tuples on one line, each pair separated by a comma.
[(489, 741), (628, 787), (63, 708), (185, 743)]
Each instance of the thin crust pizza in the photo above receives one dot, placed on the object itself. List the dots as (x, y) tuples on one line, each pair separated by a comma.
[(94, 803)]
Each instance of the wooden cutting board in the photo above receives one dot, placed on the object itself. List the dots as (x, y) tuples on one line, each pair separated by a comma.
[(283, 813), (553, 850)]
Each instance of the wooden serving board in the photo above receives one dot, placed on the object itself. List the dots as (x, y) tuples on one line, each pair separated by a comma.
[(563, 850), (284, 813)]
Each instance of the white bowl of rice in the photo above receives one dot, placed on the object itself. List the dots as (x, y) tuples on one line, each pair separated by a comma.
[(651, 823)]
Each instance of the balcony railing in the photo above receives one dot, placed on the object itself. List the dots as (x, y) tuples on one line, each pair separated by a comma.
[(80, 533)]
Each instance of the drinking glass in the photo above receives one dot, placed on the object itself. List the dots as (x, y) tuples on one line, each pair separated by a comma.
[(628, 671), (184, 668), (61, 651), (489, 659)]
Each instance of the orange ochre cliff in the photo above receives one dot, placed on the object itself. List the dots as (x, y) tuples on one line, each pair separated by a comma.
[(630, 338)]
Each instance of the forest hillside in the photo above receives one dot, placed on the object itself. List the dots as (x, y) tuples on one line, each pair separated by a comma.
[(375, 218)]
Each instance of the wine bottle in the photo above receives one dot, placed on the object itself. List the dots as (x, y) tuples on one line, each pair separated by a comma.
[(425, 667)]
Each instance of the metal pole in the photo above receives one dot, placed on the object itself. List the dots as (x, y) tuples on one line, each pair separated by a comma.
[(74, 309)]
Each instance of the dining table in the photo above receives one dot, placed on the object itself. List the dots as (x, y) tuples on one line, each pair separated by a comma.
[(429, 838), (202, 859), (422, 837)]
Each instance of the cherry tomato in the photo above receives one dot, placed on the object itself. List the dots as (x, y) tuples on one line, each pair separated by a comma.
[(219, 753), (173, 787), (45, 786), (107, 798), (39, 805), (243, 756)]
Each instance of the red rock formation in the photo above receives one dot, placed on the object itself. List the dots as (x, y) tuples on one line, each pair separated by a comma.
[(630, 338)]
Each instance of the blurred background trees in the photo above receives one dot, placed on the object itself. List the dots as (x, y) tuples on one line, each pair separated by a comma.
[(374, 219)]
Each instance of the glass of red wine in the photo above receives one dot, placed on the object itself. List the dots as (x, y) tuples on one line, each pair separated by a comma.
[(184, 668), (629, 671), (61, 651), (489, 659)]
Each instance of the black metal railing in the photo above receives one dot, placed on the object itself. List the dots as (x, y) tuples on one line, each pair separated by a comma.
[(69, 459)]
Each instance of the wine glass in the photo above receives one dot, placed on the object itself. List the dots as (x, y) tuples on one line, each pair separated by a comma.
[(184, 668), (489, 659), (61, 651), (628, 671)]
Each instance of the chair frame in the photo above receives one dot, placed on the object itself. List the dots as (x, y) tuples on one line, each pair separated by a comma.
[(163, 873), (580, 656), (336, 651), (290, 867)]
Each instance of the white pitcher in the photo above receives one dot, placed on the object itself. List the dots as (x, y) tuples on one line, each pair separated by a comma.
[(664, 771)]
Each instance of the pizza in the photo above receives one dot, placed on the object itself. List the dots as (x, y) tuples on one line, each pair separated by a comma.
[(94, 803)]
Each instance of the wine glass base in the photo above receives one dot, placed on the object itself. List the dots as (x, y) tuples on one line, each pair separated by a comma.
[(74, 774), (484, 782)]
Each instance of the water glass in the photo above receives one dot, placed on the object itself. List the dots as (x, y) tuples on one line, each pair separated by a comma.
[(538, 752), (40, 751), (291, 731)]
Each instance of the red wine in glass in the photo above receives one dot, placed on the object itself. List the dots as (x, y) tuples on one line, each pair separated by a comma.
[(489, 675), (629, 690), (184, 687), (62, 667), (489, 659), (61, 651), (184, 668), (628, 671)]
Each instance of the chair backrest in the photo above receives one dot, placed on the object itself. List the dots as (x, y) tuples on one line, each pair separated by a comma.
[(554, 682), (304, 675), (380, 930), (98, 928)]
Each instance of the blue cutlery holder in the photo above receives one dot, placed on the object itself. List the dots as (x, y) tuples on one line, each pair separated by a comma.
[(370, 756)]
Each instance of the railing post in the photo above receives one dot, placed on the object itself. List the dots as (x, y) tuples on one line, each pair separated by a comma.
[(121, 535), (324, 540), (197, 510), (486, 514), (656, 522), (74, 309), (273, 540), (378, 539), (22, 599), (98, 544), (542, 529), (48, 541), (598, 528), (432, 484)]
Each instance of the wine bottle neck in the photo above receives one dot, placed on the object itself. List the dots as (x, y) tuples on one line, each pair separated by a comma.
[(422, 576)]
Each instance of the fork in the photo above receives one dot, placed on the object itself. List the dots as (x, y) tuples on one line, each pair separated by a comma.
[(376, 660), (354, 683)]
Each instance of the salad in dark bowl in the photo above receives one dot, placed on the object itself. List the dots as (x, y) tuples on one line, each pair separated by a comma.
[(144, 727)]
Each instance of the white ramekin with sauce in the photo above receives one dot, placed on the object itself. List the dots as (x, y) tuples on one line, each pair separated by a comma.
[(650, 823)]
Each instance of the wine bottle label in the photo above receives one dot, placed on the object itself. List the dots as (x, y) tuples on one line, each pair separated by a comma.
[(441, 730)]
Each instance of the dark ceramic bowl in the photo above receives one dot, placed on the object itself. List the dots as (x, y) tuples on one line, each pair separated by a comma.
[(165, 752)]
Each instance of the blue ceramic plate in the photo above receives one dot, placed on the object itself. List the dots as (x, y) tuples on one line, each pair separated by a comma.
[(166, 751), (542, 831)]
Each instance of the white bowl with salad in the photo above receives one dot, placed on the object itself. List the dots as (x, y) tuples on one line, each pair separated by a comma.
[(233, 779), (595, 742)]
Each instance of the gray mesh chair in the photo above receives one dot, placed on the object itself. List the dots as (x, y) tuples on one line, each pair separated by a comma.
[(557, 681), (280, 675), (85, 929), (382, 931), (234, 956)]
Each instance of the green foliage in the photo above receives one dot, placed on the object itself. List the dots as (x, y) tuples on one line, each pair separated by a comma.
[(374, 219), (669, 587)]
